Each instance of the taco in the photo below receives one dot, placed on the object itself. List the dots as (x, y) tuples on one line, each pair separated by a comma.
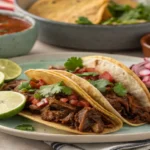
[(114, 86), (58, 102), (70, 11)]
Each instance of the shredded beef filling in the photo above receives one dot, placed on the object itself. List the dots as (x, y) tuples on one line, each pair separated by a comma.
[(85, 119), (12, 85), (128, 108)]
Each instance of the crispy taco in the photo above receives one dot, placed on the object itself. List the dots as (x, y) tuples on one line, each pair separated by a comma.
[(70, 11), (54, 100), (110, 83)]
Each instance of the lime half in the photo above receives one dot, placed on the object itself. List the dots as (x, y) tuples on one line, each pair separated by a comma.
[(10, 69), (11, 103), (2, 77)]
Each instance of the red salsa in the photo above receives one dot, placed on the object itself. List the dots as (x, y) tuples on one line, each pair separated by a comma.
[(12, 24)]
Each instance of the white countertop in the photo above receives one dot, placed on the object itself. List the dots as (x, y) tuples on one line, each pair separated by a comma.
[(8, 142)]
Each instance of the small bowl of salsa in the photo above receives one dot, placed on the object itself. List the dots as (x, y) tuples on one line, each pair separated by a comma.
[(18, 34)]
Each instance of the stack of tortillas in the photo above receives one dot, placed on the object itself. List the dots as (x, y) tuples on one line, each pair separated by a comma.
[(70, 10)]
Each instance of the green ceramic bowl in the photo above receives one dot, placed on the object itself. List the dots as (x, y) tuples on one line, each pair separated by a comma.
[(20, 43)]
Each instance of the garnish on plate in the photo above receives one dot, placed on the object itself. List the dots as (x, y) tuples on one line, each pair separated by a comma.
[(50, 90), (25, 127), (83, 21), (73, 63)]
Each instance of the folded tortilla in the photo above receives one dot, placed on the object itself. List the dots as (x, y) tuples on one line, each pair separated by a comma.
[(120, 73), (52, 78), (70, 10)]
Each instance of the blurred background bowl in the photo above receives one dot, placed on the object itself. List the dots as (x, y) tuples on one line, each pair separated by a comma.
[(19, 43), (86, 37), (145, 42)]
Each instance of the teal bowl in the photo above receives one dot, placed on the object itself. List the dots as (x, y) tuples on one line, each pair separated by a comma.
[(19, 43)]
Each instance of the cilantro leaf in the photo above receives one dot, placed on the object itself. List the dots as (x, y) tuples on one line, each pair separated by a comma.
[(100, 84), (37, 96), (72, 63), (119, 89), (66, 90), (50, 90), (83, 21), (25, 86), (25, 127), (88, 74), (117, 10)]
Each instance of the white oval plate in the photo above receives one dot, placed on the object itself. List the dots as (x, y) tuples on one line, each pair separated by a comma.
[(45, 133)]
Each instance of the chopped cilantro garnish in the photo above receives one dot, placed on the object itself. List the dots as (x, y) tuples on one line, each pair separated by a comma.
[(25, 86), (25, 127), (50, 90), (83, 21), (72, 63), (125, 14), (119, 89), (100, 84), (37, 96), (88, 74)]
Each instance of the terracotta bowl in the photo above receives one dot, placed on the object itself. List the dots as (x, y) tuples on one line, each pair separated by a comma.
[(145, 42)]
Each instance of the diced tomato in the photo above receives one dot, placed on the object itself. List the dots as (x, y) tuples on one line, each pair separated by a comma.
[(106, 75), (90, 70), (37, 84), (35, 101), (83, 103), (34, 84), (42, 103), (64, 100), (41, 82), (81, 70), (73, 96), (73, 102)]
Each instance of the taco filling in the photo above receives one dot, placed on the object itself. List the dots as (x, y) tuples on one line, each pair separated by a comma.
[(116, 94), (60, 104)]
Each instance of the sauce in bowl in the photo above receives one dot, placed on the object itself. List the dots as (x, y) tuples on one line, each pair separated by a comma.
[(10, 25)]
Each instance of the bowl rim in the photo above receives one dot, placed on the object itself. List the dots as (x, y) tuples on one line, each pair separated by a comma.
[(21, 16), (144, 39), (17, 6)]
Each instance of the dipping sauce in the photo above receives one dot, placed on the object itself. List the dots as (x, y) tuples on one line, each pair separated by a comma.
[(10, 24)]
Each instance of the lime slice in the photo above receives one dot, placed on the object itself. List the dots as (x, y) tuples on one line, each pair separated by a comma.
[(11, 103), (10, 69), (2, 77)]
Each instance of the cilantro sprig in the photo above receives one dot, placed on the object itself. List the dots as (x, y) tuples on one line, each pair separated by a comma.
[(125, 14), (84, 21), (101, 85), (50, 90), (119, 89), (73, 63), (25, 127), (26, 87), (88, 74)]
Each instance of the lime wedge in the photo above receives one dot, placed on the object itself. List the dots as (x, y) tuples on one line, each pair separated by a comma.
[(2, 77), (11, 103), (10, 69)]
